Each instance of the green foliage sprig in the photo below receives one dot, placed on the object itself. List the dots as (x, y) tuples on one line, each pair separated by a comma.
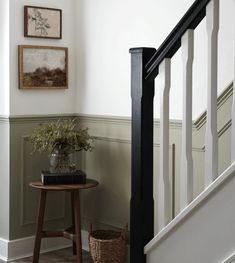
[(62, 136)]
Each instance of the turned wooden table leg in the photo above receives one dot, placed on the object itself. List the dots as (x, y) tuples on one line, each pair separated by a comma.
[(73, 220), (75, 202), (77, 226), (39, 228)]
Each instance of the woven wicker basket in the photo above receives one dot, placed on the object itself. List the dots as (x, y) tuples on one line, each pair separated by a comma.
[(107, 246)]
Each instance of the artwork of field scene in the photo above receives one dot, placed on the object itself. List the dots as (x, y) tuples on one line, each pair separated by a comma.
[(44, 67)]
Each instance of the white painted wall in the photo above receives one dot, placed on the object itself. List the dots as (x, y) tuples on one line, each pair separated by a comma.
[(41, 101), (106, 29), (4, 58), (99, 34)]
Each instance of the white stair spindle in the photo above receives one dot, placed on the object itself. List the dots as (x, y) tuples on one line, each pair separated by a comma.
[(233, 115), (164, 188), (211, 137), (186, 180), (233, 126)]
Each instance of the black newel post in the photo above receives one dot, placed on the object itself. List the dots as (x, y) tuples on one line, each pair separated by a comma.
[(142, 210)]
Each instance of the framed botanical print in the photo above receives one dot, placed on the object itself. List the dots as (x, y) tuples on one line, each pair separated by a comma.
[(42, 22), (43, 67)]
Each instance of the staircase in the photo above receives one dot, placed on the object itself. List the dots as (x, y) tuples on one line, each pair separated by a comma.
[(204, 229)]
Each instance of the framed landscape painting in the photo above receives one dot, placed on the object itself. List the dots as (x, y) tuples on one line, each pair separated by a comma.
[(42, 22), (43, 67)]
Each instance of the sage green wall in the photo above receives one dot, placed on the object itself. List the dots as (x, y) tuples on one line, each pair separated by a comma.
[(24, 168), (5, 180), (106, 206)]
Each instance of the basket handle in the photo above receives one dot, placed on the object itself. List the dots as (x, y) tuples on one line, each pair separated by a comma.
[(90, 231), (124, 232)]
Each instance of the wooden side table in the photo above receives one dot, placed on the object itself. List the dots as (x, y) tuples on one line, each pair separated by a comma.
[(75, 236)]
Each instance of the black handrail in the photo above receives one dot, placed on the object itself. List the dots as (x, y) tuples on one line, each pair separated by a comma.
[(190, 20)]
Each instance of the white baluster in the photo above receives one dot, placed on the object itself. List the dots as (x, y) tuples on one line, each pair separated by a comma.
[(211, 137), (233, 116), (233, 126), (186, 180), (164, 188)]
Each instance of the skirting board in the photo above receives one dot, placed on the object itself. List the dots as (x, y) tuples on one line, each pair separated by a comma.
[(21, 248)]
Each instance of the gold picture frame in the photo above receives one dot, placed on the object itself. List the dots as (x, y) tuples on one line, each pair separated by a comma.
[(43, 67)]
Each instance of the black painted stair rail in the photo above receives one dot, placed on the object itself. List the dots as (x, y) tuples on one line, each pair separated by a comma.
[(144, 69), (190, 20)]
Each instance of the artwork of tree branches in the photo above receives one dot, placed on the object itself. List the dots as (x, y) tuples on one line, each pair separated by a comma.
[(42, 22)]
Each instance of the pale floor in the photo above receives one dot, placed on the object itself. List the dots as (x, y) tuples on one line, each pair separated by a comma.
[(61, 256)]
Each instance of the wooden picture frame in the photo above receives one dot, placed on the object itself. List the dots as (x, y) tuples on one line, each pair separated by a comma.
[(43, 67), (42, 22)]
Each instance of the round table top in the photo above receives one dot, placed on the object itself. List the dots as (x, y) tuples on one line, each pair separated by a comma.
[(64, 187)]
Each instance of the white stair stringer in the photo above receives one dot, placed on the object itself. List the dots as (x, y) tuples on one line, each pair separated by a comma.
[(204, 231)]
